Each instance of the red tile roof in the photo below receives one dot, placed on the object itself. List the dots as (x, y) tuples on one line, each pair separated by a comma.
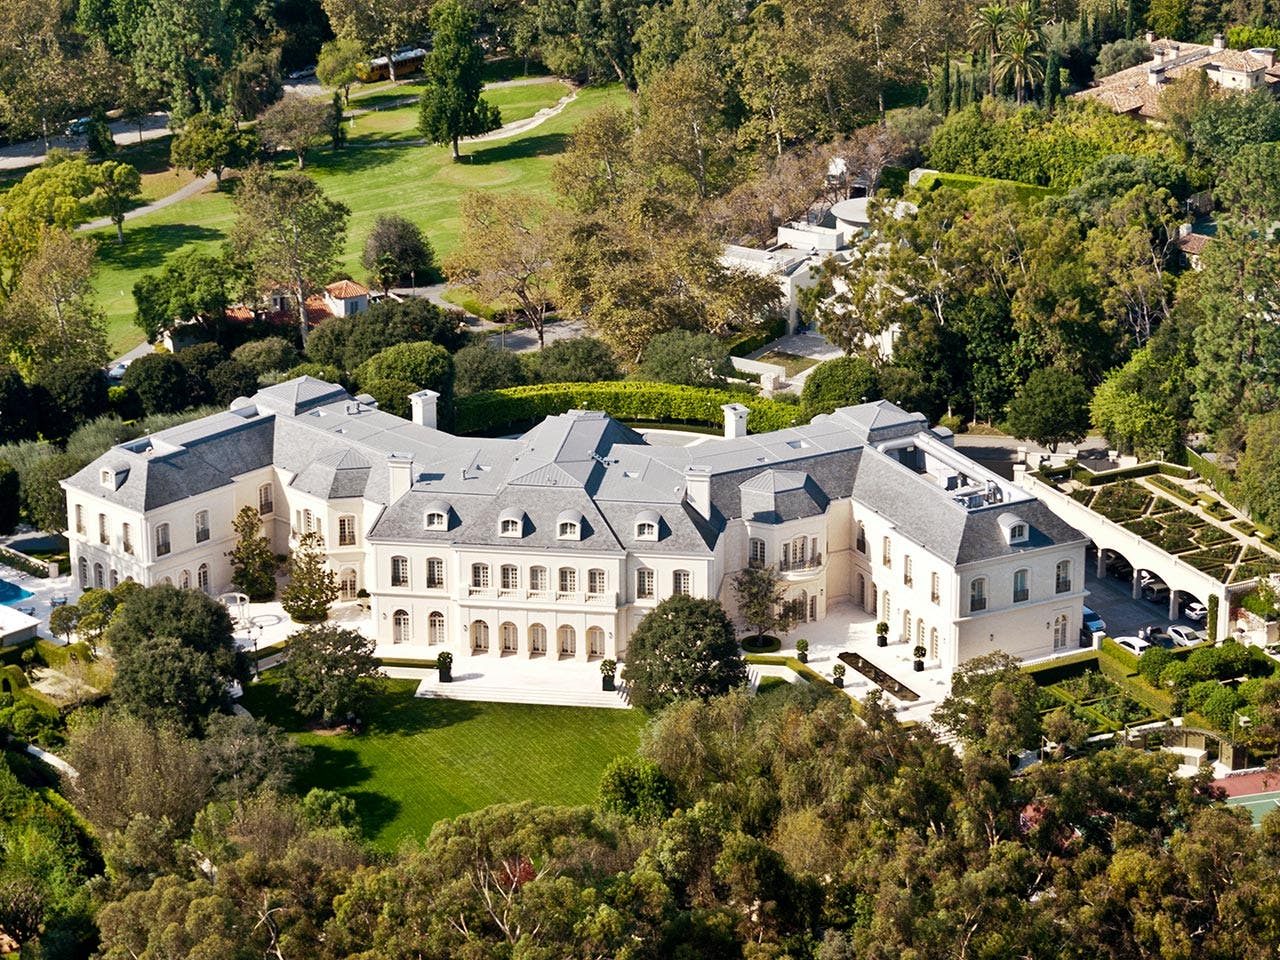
[(1193, 244), (346, 290)]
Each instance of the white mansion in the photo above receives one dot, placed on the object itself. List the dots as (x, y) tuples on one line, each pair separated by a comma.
[(556, 544)]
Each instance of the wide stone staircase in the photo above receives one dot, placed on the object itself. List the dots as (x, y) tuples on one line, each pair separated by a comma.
[(507, 690)]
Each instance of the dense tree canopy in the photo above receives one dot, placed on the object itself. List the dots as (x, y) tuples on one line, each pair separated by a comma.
[(685, 647)]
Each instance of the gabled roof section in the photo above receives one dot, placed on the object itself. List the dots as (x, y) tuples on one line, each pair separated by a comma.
[(337, 474), (346, 290), (294, 396), (569, 450), (776, 496)]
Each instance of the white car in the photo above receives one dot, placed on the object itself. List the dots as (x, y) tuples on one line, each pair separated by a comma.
[(1195, 610), (116, 373), (1184, 636), (1134, 645)]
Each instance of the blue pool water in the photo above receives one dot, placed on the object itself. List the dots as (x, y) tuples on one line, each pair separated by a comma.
[(11, 593)]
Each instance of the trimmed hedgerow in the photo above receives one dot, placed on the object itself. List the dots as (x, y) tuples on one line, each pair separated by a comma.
[(624, 400)]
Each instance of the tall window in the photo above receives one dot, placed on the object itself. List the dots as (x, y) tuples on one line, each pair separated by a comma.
[(886, 555), (162, 540), (307, 521), (755, 552), (84, 573), (906, 625), (682, 582), (538, 579), (480, 576), (479, 636), (126, 538), (568, 580), (347, 531), (884, 606), (799, 551), (510, 576), (265, 504), (862, 539), (435, 628), (399, 571), (935, 584), (79, 518), (115, 579), (568, 641), (920, 633), (202, 578), (978, 595), (906, 569), (1020, 590), (97, 576), (400, 627), (1062, 578), (1059, 632), (184, 580), (933, 643), (347, 587), (510, 638), (435, 573), (595, 582), (595, 642), (202, 526), (537, 639), (103, 536), (644, 584)]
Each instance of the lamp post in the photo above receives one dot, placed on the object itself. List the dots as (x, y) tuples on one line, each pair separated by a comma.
[(413, 283), (253, 635)]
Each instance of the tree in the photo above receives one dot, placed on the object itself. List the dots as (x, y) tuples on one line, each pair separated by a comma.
[(207, 143), (842, 382), (577, 360), (253, 83), (481, 367), (347, 342), (761, 599), (17, 411), (296, 123), (451, 106), (986, 31), (253, 565), (395, 250), (192, 286), (22, 909), (427, 366), (118, 183), (1259, 466), (684, 648), (229, 380), (43, 499), (338, 65), (637, 788), (52, 195), (312, 586), (1120, 55), (1020, 60), (687, 358), (246, 756), (67, 395), (329, 671), (62, 621), (504, 255), (160, 381), (199, 622), (9, 498), (381, 25), (1052, 407), (199, 361), (334, 123), (289, 231), (162, 680), (993, 706), (185, 48), (267, 355)]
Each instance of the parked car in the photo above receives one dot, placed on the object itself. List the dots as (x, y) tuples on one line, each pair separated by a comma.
[(1147, 577), (1196, 611), (1185, 636), (78, 126), (1134, 645), (303, 74), (1156, 637), (1093, 623), (1120, 568), (1156, 593), (116, 373)]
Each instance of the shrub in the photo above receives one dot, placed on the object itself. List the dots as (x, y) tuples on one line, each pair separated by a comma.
[(687, 358), (396, 251), (347, 342), (1220, 707), (841, 382), (1200, 692), (229, 380), (425, 365), (1153, 662), (480, 367), (392, 395), (268, 354), (160, 381), (637, 788), (575, 360)]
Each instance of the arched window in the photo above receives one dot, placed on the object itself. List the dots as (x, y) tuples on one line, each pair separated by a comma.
[(347, 584), (79, 518), (862, 592), (184, 580), (162, 540), (510, 527), (202, 578), (595, 642), (933, 643), (435, 628), (978, 594), (862, 539), (906, 570), (509, 578), (400, 571), (265, 504), (1059, 631), (920, 633), (84, 573), (202, 526), (646, 530), (886, 555), (115, 579), (480, 576), (906, 625), (479, 636), (884, 605), (510, 638), (401, 627), (306, 521), (935, 587), (347, 530), (538, 579), (1062, 577), (537, 639), (568, 530), (126, 538), (568, 580), (596, 582), (682, 582), (168, 581), (436, 520), (103, 536), (568, 641), (435, 573), (1021, 591), (755, 552)]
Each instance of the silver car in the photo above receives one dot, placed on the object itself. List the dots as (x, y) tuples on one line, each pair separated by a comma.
[(1184, 636)]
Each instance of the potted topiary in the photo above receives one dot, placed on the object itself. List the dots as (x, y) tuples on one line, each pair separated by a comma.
[(607, 669), (444, 667), (362, 598), (919, 653), (802, 650), (837, 675), (882, 634)]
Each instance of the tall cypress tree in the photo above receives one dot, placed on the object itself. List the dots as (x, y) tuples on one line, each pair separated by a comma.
[(944, 99), (1130, 20), (1052, 80)]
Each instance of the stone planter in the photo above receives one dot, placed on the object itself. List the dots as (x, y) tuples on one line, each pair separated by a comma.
[(802, 657), (838, 681), (446, 676), (881, 640), (919, 666), (607, 683)]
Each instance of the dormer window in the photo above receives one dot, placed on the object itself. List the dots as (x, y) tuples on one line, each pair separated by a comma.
[(436, 521), (569, 525), (648, 524), (108, 479), (436, 515), (569, 530), (1018, 532), (1015, 528), (511, 523), (511, 528)]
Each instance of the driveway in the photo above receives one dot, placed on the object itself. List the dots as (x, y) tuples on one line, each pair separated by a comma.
[(31, 153), (1112, 600)]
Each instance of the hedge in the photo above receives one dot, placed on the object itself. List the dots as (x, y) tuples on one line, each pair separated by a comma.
[(23, 563), (625, 400), (751, 341), (1175, 491), (1133, 684), (1061, 668), (806, 672), (963, 182), (1150, 469)]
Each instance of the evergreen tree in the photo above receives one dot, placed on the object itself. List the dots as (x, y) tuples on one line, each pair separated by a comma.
[(253, 564), (337, 131), (684, 648), (944, 96), (329, 671), (1052, 80), (1131, 19), (451, 106), (312, 585)]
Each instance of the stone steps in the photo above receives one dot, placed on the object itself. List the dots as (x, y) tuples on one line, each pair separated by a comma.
[(477, 690)]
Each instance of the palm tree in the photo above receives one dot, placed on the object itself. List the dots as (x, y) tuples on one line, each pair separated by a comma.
[(1025, 18), (985, 32), (1021, 60)]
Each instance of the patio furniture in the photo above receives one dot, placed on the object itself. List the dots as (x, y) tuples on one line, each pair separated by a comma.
[(57, 601)]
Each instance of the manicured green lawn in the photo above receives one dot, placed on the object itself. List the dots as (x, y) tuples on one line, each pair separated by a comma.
[(419, 761), (401, 123), (421, 183)]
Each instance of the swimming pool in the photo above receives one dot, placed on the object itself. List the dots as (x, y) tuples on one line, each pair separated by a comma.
[(11, 593)]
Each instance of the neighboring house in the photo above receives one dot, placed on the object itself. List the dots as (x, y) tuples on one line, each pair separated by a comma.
[(342, 298), (792, 269), (1136, 91), (558, 543), (1191, 245)]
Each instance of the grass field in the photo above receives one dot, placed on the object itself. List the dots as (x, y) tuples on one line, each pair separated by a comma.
[(419, 761), (421, 183), (401, 123)]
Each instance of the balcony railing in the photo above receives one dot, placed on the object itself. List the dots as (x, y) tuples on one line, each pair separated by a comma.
[(809, 563), (565, 596)]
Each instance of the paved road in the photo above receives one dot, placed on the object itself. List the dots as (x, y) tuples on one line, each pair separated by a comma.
[(192, 188), (31, 153)]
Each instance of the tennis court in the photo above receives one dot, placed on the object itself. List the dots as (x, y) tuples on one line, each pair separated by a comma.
[(1258, 804)]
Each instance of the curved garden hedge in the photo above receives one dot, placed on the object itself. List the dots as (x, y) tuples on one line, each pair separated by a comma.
[(625, 400)]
